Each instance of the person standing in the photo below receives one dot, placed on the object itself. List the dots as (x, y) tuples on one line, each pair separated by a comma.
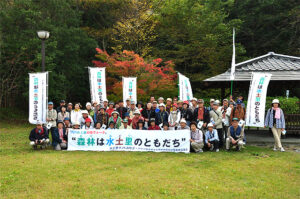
[(216, 116), (201, 114), (174, 118), (63, 114), (76, 114), (148, 113), (275, 120), (51, 117), (162, 116), (226, 112), (122, 110), (186, 113), (61, 104)]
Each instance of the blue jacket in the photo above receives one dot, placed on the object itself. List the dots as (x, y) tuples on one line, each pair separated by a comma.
[(211, 137), (280, 123), (161, 117), (34, 135), (55, 139)]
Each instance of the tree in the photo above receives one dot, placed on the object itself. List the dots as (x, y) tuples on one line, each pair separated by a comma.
[(68, 50), (156, 77)]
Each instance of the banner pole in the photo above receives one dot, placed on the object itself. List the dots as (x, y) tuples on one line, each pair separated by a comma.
[(231, 87)]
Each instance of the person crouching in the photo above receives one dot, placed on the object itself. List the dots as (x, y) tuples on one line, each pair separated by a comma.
[(212, 138), (196, 138), (39, 136), (235, 135)]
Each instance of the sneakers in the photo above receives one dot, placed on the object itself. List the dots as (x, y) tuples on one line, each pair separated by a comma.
[(212, 147), (274, 149), (217, 150), (282, 149), (200, 151)]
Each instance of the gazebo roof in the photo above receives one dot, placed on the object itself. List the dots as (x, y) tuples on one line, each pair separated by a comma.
[(282, 67)]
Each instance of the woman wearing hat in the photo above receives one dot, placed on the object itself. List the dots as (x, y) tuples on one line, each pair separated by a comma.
[(59, 140), (116, 119), (125, 124), (152, 125), (186, 113), (136, 118), (140, 125), (88, 124), (275, 121)]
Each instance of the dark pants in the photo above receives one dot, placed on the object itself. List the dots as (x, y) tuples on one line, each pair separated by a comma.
[(215, 143), (221, 137)]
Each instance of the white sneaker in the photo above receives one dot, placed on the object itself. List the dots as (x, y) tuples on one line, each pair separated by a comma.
[(274, 149), (282, 149), (212, 147), (217, 150), (200, 150)]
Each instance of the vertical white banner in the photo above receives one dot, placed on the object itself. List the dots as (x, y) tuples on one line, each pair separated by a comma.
[(255, 113), (185, 89), (97, 84), (129, 89), (232, 72), (38, 97)]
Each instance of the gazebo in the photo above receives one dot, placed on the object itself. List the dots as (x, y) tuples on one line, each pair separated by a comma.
[(285, 72)]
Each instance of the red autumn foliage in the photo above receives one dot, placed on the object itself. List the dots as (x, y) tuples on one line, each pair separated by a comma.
[(154, 78)]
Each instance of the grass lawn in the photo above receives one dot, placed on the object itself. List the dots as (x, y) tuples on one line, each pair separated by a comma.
[(253, 173)]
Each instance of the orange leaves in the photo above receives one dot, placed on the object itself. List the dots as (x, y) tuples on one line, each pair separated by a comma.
[(153, 77)]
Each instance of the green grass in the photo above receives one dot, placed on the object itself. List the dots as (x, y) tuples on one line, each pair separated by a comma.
[(253, 173)]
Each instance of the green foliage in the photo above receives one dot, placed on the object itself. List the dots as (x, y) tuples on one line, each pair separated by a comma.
[(289, 106)]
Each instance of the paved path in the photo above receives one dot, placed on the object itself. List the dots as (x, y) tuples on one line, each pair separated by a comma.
[(265, 138)]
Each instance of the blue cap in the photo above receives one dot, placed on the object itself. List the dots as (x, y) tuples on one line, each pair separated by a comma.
[(50, 103), (66, 118), (239, 101)]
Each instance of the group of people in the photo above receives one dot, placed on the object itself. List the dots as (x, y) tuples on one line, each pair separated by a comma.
[(212, 127)]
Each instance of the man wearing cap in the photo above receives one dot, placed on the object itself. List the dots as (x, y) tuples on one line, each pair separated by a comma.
[(183, 125), (39, 136), (201, 114), (136, 118), (238, 111), (69, 107), (169, 105), (211, 138), (132, 109), (125, 125), (194, 104), (61, 104), (85, 115), (116, 119), (211, 103), (235, 135), (90, 109), (216, 117), (122, 110), (102, 116), (162, 116), (59, 137), (161, 100), (87, 125), (51, 117), (186, 113), (226, 111)]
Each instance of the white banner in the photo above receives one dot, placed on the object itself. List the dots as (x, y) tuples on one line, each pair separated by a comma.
[(255, 113), (129, 89), (129, 140), (38, 97), (97, 84), (185, 89), (232, 71)]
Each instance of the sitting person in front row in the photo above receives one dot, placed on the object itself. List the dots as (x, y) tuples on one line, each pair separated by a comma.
[(59, 140), (235, 135), (212, 138), (153, 125), (111, 125), (165, 127), (140, 125), (87, 125), (76, 125), (39, 136), (183, 125), (125, 124), (196, 138)]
